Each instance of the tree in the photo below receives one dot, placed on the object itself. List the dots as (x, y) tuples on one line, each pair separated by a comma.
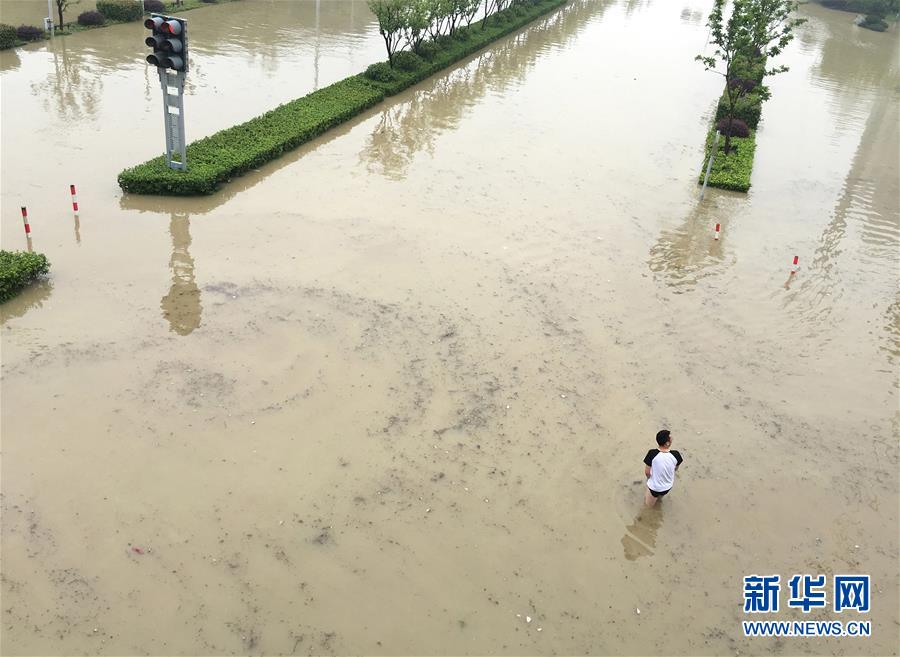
[(772, 28), (391, 20), (470, 9), (415, 23), (754, 32), (61, 6)]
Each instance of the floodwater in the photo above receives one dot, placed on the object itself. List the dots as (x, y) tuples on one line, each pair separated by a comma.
[(390, 394)]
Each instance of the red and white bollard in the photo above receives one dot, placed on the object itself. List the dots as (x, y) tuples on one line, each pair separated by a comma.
[(795, 265), (718, 228), (25, 221), (74, 199)]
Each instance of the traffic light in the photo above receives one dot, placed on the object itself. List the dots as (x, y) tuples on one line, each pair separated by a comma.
[(169, 42)]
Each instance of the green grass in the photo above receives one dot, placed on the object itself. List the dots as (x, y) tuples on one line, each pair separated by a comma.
[(18, 269), (236, 150), (731, 171)]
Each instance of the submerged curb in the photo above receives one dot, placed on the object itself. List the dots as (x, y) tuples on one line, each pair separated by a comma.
[(234, 151)]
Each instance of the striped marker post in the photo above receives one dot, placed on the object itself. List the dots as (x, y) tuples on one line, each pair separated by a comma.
[(25, 221), (795, 265), (74, 200), (716, 235)]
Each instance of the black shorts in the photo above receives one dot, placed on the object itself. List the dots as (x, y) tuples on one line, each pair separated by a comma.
[(655, 494)]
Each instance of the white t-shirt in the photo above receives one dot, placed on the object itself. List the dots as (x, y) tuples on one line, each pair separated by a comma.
[(662, 469)]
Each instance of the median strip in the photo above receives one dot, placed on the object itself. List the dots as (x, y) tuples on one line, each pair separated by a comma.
[(232, 152)]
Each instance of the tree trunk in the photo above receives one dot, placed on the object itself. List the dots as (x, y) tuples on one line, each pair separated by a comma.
[(59, 9), (387, 45)]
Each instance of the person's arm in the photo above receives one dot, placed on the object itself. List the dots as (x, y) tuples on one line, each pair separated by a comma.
[(678, 459), (648, 460)]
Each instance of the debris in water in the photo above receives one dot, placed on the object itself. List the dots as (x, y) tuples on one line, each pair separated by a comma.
[(638, 611), (137, 550), (540, 629), (528, 619)]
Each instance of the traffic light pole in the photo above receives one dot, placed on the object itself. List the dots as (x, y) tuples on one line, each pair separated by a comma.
[(173, 114), (170, 57)]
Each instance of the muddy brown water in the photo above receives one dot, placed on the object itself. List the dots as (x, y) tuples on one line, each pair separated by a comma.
[(390, 394)]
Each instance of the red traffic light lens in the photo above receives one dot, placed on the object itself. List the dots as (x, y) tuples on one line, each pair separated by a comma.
[(171, 27)]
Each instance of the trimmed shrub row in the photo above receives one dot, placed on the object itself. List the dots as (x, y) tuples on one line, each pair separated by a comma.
[(91, 18), (30, 33), (733, 171), (18, 269), (236, 150), (120, 10), (876, 23), (8, 38), (410, 68), (876, 7), (730, 171)]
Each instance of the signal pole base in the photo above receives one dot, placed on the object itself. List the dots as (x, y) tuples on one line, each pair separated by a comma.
[(172, 84)]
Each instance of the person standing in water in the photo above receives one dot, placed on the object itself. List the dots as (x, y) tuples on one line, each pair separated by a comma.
[(659, 468)]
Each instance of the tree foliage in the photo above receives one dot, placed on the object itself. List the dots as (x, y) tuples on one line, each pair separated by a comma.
[(391, 15), (409, 24), (744, 42)]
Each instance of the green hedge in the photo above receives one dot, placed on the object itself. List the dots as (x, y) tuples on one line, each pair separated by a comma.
[(876, 7), (465, 42), (8, 37), (730, 171), (18, 269), (875, 23), (236, 150), (120, 10), (748, 109)]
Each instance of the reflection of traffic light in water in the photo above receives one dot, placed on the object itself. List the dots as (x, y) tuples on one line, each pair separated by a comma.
[(181, 306)]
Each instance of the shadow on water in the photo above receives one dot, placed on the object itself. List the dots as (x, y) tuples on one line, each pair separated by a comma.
[(693, 16), (34, 296), (639, 539), (9, 60), (682, 257), (269, 34), (869, 202), (411, 124), (181, 306), (75, 86)]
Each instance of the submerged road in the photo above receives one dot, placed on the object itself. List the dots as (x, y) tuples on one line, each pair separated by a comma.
[(390, 394)]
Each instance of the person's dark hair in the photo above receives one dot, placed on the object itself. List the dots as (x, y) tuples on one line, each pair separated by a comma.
[(662, 437)]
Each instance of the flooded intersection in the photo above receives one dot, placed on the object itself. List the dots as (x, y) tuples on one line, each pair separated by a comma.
[(389, 394)]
